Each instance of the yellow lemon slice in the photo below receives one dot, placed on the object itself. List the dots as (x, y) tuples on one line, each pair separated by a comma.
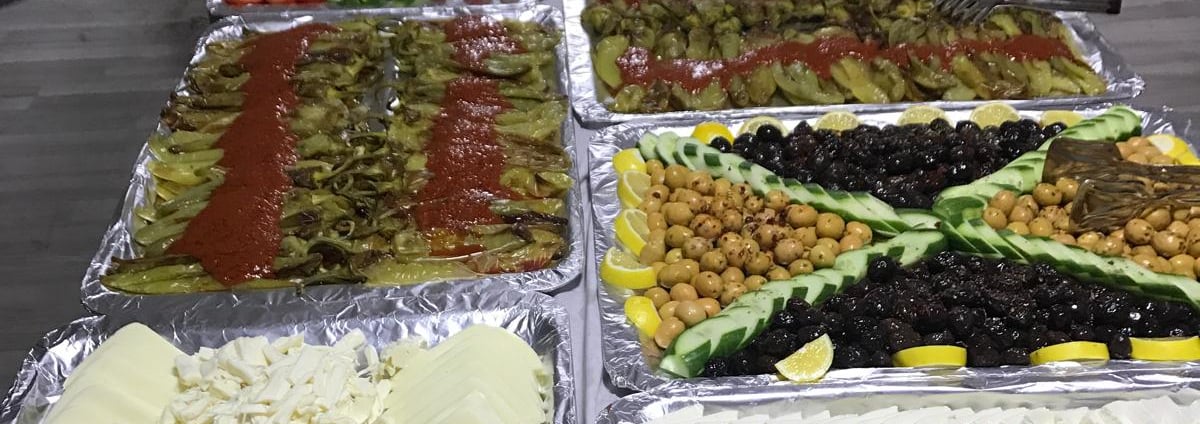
[(942, 356), (921, 114), (708, 131), (837, 120), (641, 312), (1071, 351), (622, 269), (629, 160), (810, 363), (1064, 117), (632, 230), (752, 125), (1166, 349), (994, 114), (1174, 147), (631, 185)]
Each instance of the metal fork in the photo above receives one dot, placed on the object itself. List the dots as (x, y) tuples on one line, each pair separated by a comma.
[(976, 11)]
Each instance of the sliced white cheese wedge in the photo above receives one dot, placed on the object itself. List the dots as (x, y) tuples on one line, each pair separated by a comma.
[(99, 404)]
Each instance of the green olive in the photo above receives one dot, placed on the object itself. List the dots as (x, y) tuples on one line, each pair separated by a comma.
[(1146, 261), (1018, 227), (806, 235), (767, 235), (742, 190), (718, 206), (656, 221), (778, 273), (651, 205), (800, 267), (799, 216), (1041, 227), (684, 291), (1161, 264), (1003, 200), (1047, 195), (1020, 214), (1179, 228), (657, 295), (1167, 244), (670, 328), (1088, 239), (690, 312), (674, 255), (1068, 187), (701, 182), (1181, 215), (654, 165), (1138, 231), (711, 306), (692, 266), (713, 261), (1194, 249), (677, 213), (776, 200), (674, 274), (658, 191), (677, 235), (733, 275), (706, 226), (741, 252), (696, 247), (753, 204), (833, 245), (1144, 249), (1183, 265), (668, 309), (755, 282), (862, 231), (658, 177), (850, 242), (994, 217), (822, 256), (653, 251), (759, 264), (830, 225), (788, 250), (721, 187), (1064, 238), (728, 238), (732, 220), (732, 292), (765, 216), (708, 284), (1026, 200), (676, 176), (1110, 246), (1158, 218)]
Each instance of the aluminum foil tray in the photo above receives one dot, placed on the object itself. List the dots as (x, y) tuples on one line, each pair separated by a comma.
[(626, 364), (1123, 83), (534, 317), (779, 400), (118, 241), (218, 8)]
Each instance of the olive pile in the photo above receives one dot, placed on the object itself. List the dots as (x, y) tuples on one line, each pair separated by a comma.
[(999, 310), (905, 166), (711, 241), (1164, 239), (1140, 150)]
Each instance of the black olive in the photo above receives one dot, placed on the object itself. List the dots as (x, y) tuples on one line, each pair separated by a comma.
[(721, 144), (768, 134)]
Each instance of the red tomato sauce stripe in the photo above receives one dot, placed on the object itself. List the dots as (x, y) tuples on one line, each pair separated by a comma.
[(639, 67), (237, 236), (464, 156)]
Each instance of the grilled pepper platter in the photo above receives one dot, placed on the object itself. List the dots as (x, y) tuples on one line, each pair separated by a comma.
[(653, 56), (277, 171), (995, 241)]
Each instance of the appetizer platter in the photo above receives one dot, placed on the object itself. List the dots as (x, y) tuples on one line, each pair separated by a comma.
[(366, 182), (221, 8), (634, 59), (793, 247), (459, 356), (1096, 401)]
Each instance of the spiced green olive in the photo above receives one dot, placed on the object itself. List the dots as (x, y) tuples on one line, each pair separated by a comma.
[(741, 252), (833, 245), (674, 274), (777, 200), (690, 312), (658, 191), (708, 284), (1003, 200), (1088, 239), (1020, 214), (701, 182), (767, 235), (677, 213), (778, 273), (1068, 187), (651, 205), (1047, 194), (830, 225), (800, 267), (676, 176), (759, 264), (1138, 231), (994, 217), (731, 220), (693, 200), (721, 187), (1158, 218), (711, 306), (799, 216), (849, 242), (733, 275), (862, 231), (742, 190), (727, 239), (806, 235), (732, 292), (713, 261), (1026, 200), (822, 256), (755, 282), (788, 250), (670, 328), (657, 295), (1018, 227), (1041, 227), (1109, 247), (1167, 244), (765, 216), (696, 247), (706, 226), (677, 235), (753, 204)]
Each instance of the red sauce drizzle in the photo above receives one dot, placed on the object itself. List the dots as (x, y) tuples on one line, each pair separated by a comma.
[(463, 155), (236, 237), (476, 37), (639, 67)]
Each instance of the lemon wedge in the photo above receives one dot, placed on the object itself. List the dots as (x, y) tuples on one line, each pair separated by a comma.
[(1175, 148), (632, 230), (640, 311), (994, 114), (1064, 117), (631, 185), (629, 160), (810, 363), (1070, 351), (623, 270), (921, 114), (940, 356), (752, 125), (1166, 349), (709, 131), (838, 120)]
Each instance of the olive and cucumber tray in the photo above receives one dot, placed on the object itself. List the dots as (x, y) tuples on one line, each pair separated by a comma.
[(906, 235)]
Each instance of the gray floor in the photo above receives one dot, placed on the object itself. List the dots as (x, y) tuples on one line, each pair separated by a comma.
[(81, 82)]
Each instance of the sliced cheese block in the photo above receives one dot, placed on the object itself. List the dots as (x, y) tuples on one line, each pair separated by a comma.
[(100, 404), (135, 361)]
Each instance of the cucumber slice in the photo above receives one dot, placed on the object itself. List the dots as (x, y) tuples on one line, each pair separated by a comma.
[(988, 235), (665, 150), (712, 163), (917, 245), (880, 211), (730, 164), (818, 288), (918, 219), (955, 210), (645, 146), (796, 191), (756, 177), (1031, 252), (978, 245)]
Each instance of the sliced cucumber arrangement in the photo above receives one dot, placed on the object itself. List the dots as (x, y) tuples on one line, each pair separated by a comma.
[(735, 326)]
